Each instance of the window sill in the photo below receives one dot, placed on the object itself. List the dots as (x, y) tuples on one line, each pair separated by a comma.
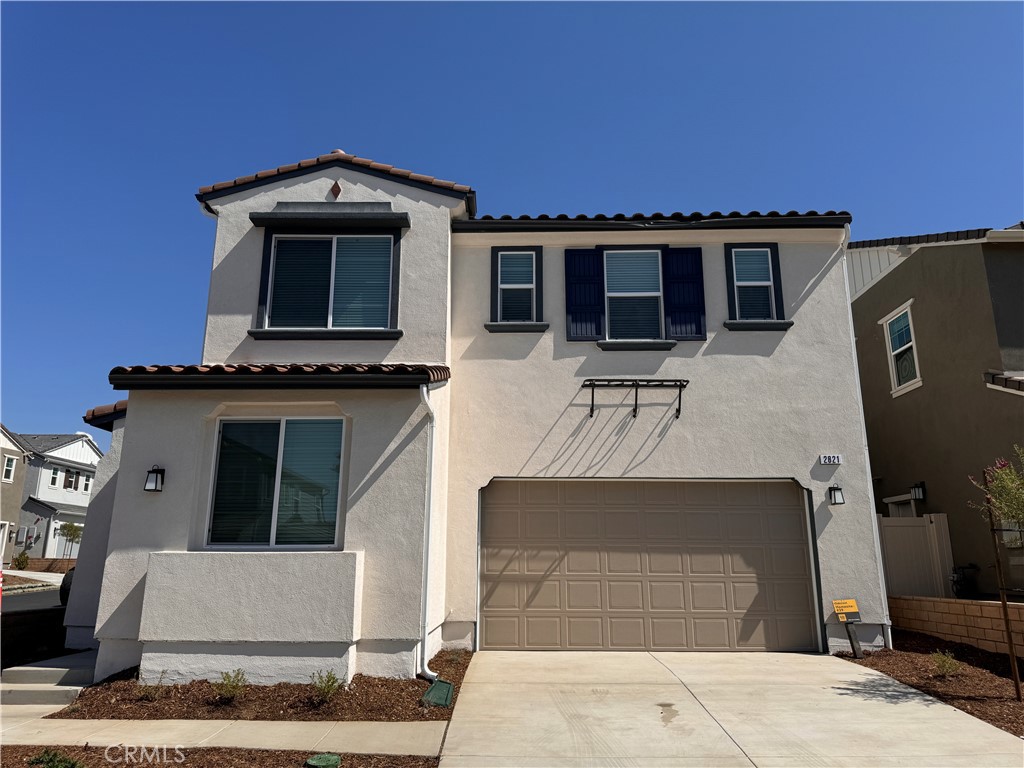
[(902, 390), (516, 327), (616, 345), (326, 334), (758, 325)]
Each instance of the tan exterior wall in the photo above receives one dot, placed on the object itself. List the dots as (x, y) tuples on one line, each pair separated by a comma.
[(953, 425), (974, 622), (11, 495), (759, 404), (424, 280)]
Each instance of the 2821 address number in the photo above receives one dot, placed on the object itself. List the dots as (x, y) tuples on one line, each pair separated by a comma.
[(830, 458)]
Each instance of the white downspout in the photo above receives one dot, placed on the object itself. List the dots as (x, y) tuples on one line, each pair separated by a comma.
[(428, 508)]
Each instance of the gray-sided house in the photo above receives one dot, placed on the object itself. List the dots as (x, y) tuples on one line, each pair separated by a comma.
[(940, 339), (414, 427)]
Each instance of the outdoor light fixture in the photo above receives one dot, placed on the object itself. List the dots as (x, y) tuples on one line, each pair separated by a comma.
[(154, 479), (835, 495), (917, 491)]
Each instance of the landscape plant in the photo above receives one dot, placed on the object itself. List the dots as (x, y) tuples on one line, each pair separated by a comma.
[(945, 663), (72, 534), (230, 686), (20, 561), (325, 685), (154, 691), (49, 758)]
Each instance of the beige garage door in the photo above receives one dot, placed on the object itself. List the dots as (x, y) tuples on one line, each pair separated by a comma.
[(645, 566)]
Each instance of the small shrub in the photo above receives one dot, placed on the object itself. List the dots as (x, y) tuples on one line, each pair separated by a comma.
[(231, 685), (152, 692), (945, 664), (49, 758), (325, 685), (20, 561)]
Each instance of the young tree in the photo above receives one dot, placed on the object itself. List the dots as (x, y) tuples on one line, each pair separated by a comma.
[(72, 534)]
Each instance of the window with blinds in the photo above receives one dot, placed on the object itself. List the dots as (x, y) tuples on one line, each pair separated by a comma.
[(515, 287), (277, 483), (331, 282), (633, 290), (753, 284)]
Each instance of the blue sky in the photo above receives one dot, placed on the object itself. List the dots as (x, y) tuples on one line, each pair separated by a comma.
[(911, 116)]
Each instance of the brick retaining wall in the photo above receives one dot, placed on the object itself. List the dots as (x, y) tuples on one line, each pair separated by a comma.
[(51, 564), (975, 622)]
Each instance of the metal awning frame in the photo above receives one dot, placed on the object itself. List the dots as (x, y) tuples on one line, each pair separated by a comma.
[(636, 385)]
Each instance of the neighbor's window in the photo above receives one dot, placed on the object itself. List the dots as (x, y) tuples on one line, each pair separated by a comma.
[(87, 483), (71, 479), (633, 294), (515, 287), (899, 338), (277, 483), (331, 282), (54, 477), (10, 462)]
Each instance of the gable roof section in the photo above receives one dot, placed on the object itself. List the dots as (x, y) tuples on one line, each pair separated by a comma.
[(338, 157), (937, 237), (15, 438), (45, 443)]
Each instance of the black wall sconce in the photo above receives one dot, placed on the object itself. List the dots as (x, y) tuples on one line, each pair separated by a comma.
[(917, 492), (835, 495), (154, 480)]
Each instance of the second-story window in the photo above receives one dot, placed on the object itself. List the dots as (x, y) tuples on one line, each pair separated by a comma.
[(10, 462), (633, 287), (71, 478), (87, 483), (331, 282), (515, 287), (754, 279), (54, 477), (904, 371)]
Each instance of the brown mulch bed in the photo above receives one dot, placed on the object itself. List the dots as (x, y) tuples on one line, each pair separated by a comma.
[(21, 581), (982, 685), (365, 698), (214, 757)]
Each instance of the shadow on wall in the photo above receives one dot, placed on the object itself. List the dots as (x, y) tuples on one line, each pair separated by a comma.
[(127, 614), (594, 441)]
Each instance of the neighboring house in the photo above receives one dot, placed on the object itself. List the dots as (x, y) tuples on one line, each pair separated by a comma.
[(14, 456), (58, 485), (940, 341), (413, 427)]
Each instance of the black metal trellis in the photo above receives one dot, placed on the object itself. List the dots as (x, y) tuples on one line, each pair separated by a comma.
[(636, 385)]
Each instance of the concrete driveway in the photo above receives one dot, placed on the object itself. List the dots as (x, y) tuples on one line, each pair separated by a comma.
[(533, 709)]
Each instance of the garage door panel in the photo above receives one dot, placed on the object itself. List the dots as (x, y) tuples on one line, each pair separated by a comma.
[(625, 595), (646, 565)]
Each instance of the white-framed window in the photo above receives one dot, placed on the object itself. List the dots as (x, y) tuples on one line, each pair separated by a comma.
[(516, 286), (71, 478), (904, 369), (277, 483), (335, 281), (10, 464), (633, 297), (753, 284), (54, 477), (87, 483)]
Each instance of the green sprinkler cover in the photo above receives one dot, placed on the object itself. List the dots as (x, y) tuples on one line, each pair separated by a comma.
[(324, 760)]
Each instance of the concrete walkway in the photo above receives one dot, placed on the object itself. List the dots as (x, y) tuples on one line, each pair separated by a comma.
[(563, 709)]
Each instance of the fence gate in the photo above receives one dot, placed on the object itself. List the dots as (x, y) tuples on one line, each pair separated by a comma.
[(917, 555)]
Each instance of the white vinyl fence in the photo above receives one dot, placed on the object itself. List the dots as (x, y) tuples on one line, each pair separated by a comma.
[(917, 555)]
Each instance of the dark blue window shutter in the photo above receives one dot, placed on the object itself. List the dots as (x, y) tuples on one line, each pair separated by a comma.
[(682, 272), (584, 294)]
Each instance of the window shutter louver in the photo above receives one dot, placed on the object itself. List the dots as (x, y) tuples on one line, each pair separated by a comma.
[(584, 294), (301, 284), (362, 282), (683, 278)]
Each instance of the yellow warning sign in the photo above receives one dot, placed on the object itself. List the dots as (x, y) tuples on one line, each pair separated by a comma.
[(845, 606)]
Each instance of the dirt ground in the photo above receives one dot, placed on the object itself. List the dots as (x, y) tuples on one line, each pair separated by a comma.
[(365, 698), (981, 685), (211, 757)]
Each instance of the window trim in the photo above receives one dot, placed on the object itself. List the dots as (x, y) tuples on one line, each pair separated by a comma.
[(660, 252), (537, 324), (55, 477), (13, 467), (262, 328), (900, 389), (778, 321), (252, 546)]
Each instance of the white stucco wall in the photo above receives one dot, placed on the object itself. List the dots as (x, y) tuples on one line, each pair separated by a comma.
[(423, 281), (384, 481), (759, 404), (80, 616)]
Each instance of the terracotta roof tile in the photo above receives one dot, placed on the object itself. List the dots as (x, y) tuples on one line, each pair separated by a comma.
[(336, 156), (103, 416), (274, 374)]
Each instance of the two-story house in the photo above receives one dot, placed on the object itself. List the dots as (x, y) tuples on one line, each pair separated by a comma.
[(413, 427), (14, 456), (57, 488), (939, 320)]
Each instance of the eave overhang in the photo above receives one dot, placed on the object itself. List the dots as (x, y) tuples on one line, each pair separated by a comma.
[(279, 376)]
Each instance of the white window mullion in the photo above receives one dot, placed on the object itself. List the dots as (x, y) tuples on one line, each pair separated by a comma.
[(277, 482), (330, 295)]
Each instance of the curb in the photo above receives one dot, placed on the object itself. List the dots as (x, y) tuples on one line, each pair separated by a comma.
[(29, 588)]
